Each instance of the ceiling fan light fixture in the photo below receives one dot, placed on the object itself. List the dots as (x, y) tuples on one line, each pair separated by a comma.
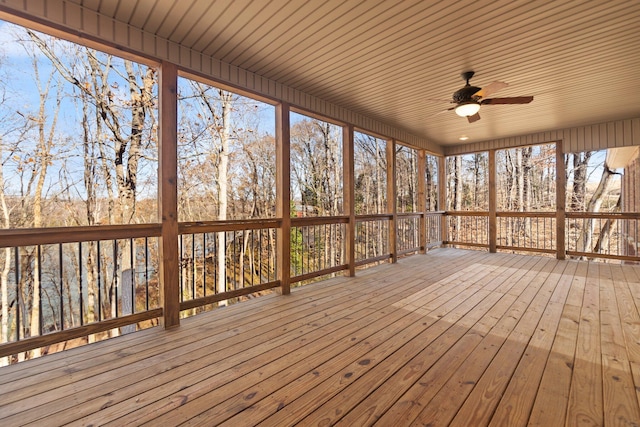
[(467, 109)]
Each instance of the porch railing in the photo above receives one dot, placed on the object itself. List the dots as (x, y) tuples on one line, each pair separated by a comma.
[(317, 247), (408, 233), (101, 281), (414, 232), (467, 228), (591, 235), (221, 260), (433, 229), (526, 231), (603, 235), (372, 238), (69, 283)]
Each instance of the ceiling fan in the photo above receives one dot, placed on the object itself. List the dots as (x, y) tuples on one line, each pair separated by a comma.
[(470, 98)]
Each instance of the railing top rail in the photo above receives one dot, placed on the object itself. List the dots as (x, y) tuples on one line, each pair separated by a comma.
[(227, 225), (54, 235), (467, 213), (507, 214), (410, 214), (605, 215), (549, 214), (319, 220), (373, 217), (376, 217)]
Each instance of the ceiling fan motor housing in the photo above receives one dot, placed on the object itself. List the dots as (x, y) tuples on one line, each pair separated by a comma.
[(465, 94)]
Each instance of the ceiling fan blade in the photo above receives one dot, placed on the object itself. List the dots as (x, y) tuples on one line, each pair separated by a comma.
[(438, 100), (490, 89), (444, 111), (473, 118), (512, 100)]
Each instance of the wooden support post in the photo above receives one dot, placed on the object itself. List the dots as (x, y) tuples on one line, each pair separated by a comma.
[(348, 189), (283, 197), (493, 233), (391, 199), (442, 195), (561, 188), (422, 200), (168, 194)]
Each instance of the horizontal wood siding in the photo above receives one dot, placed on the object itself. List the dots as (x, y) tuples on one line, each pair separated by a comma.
[(620, 133)]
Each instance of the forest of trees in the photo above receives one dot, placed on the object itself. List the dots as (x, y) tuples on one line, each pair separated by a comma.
[(526, 182), (370, 170), (526, 179), (79, 147)]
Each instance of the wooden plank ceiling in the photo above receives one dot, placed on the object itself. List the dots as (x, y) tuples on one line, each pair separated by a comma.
[(400, 61)]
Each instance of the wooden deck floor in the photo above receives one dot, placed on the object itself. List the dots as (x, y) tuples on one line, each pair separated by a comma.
[(454, 337)]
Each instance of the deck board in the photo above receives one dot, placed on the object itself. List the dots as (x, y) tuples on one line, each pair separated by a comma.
[(585, 398), (452, 337)]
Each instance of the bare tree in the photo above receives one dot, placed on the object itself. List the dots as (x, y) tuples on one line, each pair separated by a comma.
[(407, 179), (594, 206), (219, 109), (370, 170), (431, 178), (6, 267), (604, 236), (579, 186), (127, 137), (370, 191), (316, 163), (40, 166), (316, 166), (126, 121)]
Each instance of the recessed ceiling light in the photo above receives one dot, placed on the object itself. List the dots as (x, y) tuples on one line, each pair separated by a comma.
[(463, 138)]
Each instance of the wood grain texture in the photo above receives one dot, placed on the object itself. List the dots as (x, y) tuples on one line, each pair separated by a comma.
[(47, 236), (493, 231), (561, 188), (168, 194), (422, 200), (585, 399), (442, 196), (392, 207), (451, 337), (283, 190), (349, 196)]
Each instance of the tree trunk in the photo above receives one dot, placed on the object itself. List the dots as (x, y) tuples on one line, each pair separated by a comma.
[(605, 232), (477, 160), (6, 268), (526, 189), (594, 206), (90, 172), (44, 158), (127, 140), (580, 163), (380, 205), (428, 177), (93, 304)]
